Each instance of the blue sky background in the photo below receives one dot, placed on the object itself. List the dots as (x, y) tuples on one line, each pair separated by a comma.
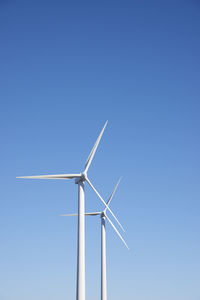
[(65, 68)]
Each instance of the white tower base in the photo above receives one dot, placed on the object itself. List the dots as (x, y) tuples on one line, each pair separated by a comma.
[(80, 291), (103, 260)]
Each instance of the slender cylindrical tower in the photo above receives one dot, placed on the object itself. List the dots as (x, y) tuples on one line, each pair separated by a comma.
[(80, 291), (103, 260)]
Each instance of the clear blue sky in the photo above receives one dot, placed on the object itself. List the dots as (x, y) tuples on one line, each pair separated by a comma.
[(65, 68)]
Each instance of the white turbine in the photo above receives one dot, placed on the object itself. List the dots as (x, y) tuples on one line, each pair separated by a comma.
[(103, 217), (80, 179)]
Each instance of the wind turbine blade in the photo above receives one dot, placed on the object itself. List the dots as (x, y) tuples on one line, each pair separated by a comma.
[(58, 176), (90, 157), (93, 214), (68, 215), (111, 196), (86, 214), (117, 232), (88, 181)]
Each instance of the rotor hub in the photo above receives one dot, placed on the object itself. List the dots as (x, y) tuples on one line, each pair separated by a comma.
[(83, 176), (103, 215)]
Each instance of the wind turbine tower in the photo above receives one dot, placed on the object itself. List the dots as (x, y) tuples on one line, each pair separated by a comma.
[(103, 217)]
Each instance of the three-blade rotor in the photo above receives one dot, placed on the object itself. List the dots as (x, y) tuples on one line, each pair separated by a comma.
[(103, 214), (83, 177)]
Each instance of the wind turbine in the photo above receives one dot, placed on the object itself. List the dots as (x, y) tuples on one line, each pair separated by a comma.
[(103, 217), (80, 179)]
